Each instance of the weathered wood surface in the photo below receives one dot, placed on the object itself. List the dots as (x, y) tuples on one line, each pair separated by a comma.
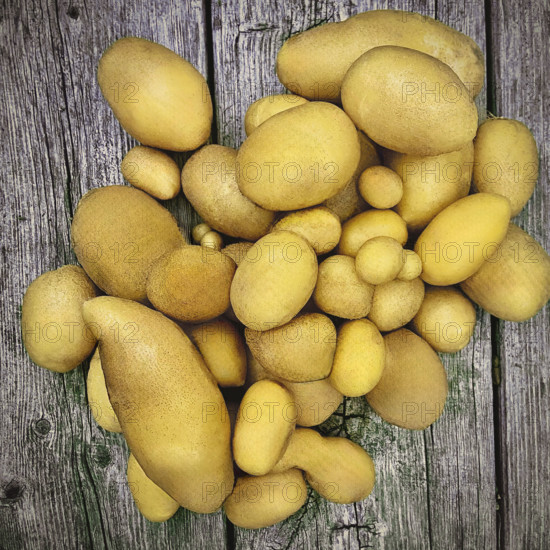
[(62, 478)]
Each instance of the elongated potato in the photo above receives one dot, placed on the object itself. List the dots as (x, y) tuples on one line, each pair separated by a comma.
[(282, 168), (209, 182), (54, 333), (457, 241), (514, 283), (266, 107), (506, 161), (158, 97), (274, 281), (413, 388), (388, 93), (314, 63)]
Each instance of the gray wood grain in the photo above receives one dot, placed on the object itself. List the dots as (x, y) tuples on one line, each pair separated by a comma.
[(521, 70)]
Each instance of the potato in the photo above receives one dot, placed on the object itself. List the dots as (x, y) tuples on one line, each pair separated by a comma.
[(151, 500), (394, 304), (158, 97), (275, 280), (280, 166), (237, 251), (446, 319), (379, 260), (370, 224), (191, 283), (359, 358), (409, 102), (430, 184), (339, 290), (314, 63), (380, 187), (318, 226), (54, 333), (265, 422), (506, 161), (300, 351), (338, 469), (413, 388), (514, 282), (266, 107), (222, 348), (209, 182), (199, 231), (456, 242), (98, 397), (117, 234), (151, 171), (412, 266), (213, 240), (262, 501)]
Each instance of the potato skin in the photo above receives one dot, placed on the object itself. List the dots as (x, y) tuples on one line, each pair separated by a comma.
[(380, 187), (208, 180), (383, 93), (457, 241), (506, 161), (266, 107), (313, 63), (379, 260), (514, 284), (282, 168), (54, 332), (158, 97)]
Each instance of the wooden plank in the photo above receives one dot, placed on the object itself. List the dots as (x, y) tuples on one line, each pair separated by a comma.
[(434, 488), (62, 478), (519, 32)]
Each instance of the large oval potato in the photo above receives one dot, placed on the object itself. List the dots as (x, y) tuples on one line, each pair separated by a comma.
[(457, 241), (54, 333), (158, 97), (274, 281), (209, 181), (266, 107), (430, 183), (117, 233), (409, 102), (514, 283), (298, 158), (314, 63), (506, 161), (413, 388)]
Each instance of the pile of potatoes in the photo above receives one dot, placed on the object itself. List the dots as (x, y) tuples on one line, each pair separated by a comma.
[(341, 248)]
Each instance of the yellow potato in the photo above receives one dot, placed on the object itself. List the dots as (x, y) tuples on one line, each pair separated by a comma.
[(380, 187), (54, 333), (379, 260), (409, 102), (151, 171), (212, 240), (413, 388), (209, 181), (446, 319), (191, 283), (275, 280), (266, 107), (395, 303), (158, 97), (456, 242), (318, 226), (237, 251), (313, 63), (359, 358), (506, 161), (117, 234), (199, 231), (370, 224), (280, 167), (412, 266), (339, 290), (514, 282), (265, 422)]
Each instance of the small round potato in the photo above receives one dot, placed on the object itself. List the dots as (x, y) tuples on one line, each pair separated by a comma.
[(379, 260), (339, 290), (266, 107), (199, 231), (151, 171), (380, 187), (212, 239), (412, 266), (395, 303), (446, 319)]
